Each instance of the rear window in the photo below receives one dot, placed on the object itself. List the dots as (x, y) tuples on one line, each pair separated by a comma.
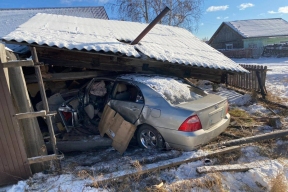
[(173, 90)]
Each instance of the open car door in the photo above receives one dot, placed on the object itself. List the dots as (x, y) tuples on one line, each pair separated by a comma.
[(119, 130)]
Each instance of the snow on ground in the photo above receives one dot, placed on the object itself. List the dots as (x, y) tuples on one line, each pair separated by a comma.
[(277, 79), (255, 179)]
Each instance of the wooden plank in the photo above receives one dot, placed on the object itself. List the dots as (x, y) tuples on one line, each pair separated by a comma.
[(65, 76), (13, 149), (244, 140), (41, 159), (162, 165), (235, 167), (23, 63), (30, 114), (13, 138)]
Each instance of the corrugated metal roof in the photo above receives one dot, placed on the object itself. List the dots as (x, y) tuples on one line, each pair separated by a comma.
[(164, 43), (10, 19), (260, 27)]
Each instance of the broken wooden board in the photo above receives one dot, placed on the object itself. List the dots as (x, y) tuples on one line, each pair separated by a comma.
[(160, 165), (257, 138), (119, 130), (236, 167)]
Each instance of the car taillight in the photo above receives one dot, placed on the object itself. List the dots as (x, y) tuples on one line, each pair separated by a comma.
[(67, 115), (191, 124)]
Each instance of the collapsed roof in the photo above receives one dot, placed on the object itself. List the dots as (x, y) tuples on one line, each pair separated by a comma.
[(162, 43)]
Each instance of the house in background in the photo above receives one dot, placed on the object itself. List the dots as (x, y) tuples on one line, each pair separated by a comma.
[(249, 36), (10, 19)]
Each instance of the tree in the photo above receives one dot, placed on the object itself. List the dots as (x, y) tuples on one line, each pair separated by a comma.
[(184, 13), (205, 39)]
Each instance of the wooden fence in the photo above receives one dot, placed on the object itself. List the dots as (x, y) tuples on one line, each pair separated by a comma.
[(255, 80)]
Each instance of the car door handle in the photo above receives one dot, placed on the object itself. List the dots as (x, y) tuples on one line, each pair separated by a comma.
[(134, 108)]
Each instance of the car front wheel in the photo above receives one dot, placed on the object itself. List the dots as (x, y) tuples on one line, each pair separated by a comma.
[(148, 137)]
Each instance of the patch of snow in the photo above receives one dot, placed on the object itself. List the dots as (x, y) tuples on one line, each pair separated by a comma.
[(6, 48), (254, 179), (240, 101), (256, 109), (248, 153), (173, 90), (20, 186), (265, 129)]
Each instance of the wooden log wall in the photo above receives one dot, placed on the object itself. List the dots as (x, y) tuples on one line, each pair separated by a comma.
[(249, 82)]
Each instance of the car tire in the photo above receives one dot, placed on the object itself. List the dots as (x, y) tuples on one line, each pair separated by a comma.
[(148, 137)]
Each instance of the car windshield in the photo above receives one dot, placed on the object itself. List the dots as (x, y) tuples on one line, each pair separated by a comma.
[(173, 90)]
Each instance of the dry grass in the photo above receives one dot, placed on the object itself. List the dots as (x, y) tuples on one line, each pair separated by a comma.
[(211, 182), (136, 164), (241, 117), (279, 184), (275, 98)]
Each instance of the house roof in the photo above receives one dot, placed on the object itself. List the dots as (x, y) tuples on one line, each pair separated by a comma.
[(10, 19), (163, 43), (260, 27)]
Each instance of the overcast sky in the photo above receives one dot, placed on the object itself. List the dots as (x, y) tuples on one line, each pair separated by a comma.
[(214, 12)]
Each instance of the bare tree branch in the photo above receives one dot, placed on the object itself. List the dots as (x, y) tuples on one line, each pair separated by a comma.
[(184, 13)]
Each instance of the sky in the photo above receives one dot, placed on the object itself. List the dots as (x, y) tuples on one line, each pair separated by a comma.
[(214, 12)]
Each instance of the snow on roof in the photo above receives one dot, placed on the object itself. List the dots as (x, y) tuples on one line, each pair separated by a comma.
[(10, 19), (163, 43), (260, 27)]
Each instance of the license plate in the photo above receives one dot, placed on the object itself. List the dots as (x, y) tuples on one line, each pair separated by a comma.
[(215, 116)]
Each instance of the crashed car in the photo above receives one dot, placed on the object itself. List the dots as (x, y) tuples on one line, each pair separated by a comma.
[(165, 111)]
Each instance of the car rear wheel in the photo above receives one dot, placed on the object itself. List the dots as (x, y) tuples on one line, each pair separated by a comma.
[(148, 137)]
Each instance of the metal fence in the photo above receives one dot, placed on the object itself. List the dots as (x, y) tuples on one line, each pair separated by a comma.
[(255, 80)]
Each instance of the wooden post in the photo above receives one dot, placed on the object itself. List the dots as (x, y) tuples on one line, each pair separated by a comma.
[(45, 103), (260, 84), (30, 131), (3, 59)]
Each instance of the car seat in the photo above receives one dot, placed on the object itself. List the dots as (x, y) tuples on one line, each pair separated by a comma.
[(122, 93)]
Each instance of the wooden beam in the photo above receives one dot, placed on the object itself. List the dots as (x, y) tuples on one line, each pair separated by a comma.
[(23, 63), (257, 138), (228, 168), (162, 165), (40, 159), (65, 76), (30, 114), (101, 65)]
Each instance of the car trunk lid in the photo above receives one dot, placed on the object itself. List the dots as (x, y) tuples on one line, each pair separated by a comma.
[(210, 109)]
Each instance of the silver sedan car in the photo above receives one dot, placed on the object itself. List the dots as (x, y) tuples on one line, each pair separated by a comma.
[(166, 111)]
